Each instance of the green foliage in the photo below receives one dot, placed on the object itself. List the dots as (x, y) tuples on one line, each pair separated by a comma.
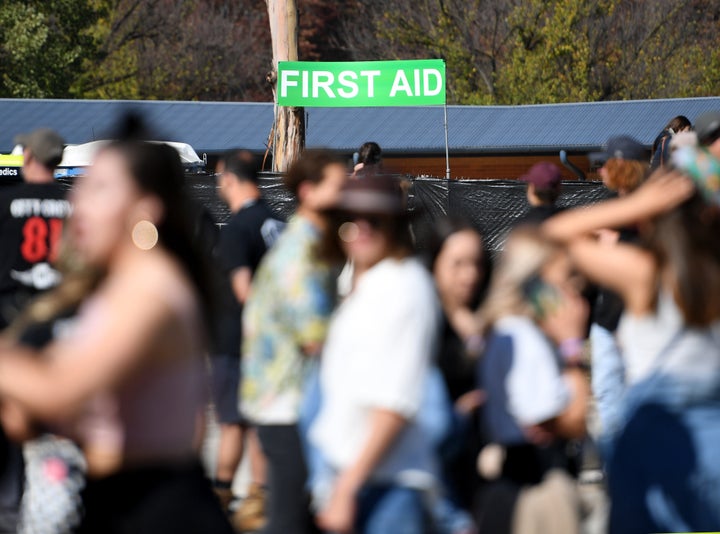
[(551, 58), (545, 51), (110, 71), (164, 49), (496, 51), (440, 30), (41, 46)]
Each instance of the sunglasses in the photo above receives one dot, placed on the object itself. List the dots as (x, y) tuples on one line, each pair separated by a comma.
[(376, 222), (348, 230)]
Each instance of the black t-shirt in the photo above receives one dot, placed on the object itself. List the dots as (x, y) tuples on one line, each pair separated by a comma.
[(457, 368), (537, 214), (243, 242), (31, 225)]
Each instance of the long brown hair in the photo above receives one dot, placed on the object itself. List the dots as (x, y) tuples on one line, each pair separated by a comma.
[(686, 245)]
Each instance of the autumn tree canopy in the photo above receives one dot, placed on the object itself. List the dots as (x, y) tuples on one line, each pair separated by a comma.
[(497, 51)]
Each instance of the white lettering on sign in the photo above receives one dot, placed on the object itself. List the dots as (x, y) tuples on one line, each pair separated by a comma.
[(348, 79), (325, 84), (426, 82), (29, 207), (429, 87), (370, 75), (400, 84), (8, 172), (305, 84), (285, 81), (371, 83)]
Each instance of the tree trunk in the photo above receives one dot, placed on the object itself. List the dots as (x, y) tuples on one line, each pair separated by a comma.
[(288, 135)]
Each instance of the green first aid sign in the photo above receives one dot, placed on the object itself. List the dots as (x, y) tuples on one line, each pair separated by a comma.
[(361, 83)]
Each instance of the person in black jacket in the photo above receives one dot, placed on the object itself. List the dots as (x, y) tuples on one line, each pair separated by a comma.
[(661, 145)]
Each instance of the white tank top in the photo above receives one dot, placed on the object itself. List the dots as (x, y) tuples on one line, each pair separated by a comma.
[(661, 342)]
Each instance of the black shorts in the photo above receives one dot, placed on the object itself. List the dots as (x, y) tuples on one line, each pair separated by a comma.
[(224, 384), (153, 500)]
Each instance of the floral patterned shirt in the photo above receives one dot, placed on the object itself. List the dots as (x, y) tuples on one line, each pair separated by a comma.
[(289, 306)]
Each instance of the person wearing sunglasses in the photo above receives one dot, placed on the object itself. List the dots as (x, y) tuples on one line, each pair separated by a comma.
[(374, 367)]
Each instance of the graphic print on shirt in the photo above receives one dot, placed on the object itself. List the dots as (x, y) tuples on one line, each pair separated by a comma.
[(271, 230), (39, 241)]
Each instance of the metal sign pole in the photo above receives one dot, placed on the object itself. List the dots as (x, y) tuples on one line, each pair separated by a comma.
[(447, 150)]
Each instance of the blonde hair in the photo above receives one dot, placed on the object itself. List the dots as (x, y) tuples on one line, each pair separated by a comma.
[(526, 253)]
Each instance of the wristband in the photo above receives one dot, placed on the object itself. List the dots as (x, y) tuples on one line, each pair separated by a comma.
[(576, 364), (474, 345), (571, 348)]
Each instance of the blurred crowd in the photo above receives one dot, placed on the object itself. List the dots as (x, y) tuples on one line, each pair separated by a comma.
[(376, 373)]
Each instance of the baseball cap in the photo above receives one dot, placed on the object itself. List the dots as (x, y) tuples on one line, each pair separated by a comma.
[(543, 175), (45, 144), (707, 127), (621, 147)]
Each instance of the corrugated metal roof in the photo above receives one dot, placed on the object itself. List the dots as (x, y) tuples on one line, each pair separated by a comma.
[(537, 128), (218, 126), (206, 126)]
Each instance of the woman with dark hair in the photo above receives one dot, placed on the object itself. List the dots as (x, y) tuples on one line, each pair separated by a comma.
[(661, 145), (374, 367), (670, 336), (127, 380), (367, 160), (461, 268)]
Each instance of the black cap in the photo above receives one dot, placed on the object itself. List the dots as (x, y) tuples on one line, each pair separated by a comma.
[(707, 127), (377, 195), (621, 147)]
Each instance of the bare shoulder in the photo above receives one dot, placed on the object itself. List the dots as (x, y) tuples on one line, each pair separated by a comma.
[(151, 279)]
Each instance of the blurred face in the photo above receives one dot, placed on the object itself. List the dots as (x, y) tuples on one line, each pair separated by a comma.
[(227, 184), (104, 202), (458, 268), (326, 192), (365, 240), (605, 176), (559, 272), (221, 181)]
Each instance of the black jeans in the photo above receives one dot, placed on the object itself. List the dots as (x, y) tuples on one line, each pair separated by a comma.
[(288, 506)]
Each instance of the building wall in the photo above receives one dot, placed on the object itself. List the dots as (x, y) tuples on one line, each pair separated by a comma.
[(496, 167)]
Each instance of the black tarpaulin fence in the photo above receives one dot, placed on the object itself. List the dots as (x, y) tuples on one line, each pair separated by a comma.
[(491, 205)]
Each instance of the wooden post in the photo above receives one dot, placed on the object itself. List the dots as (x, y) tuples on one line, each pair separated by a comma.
[(288, 135)]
